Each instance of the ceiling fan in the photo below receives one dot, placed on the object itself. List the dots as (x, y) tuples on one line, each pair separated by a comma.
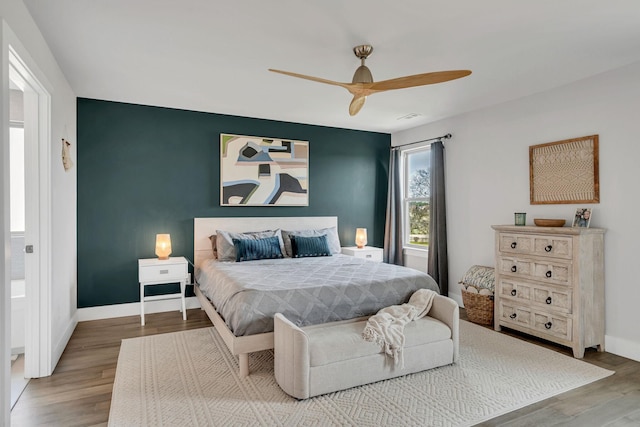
[(362, 84)]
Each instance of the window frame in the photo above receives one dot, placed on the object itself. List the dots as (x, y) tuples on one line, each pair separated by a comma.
[(406, 200)]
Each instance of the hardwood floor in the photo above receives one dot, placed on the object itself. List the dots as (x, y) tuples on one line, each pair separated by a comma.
[(79, 391), (612, 401)]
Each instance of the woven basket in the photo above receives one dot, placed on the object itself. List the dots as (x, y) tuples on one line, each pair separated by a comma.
[(479, 307)]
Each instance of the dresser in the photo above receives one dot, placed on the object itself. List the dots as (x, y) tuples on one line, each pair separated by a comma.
[(550, 284)]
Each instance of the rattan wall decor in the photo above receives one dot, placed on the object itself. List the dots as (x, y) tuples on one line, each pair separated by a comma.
[(564, 171)]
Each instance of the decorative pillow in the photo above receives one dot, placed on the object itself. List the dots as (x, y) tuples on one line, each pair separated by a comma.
[(254, 249), (309, 246), (227, 251), (480, 277), (332, 238)]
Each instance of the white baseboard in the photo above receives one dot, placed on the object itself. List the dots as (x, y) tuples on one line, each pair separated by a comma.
[(622, 347), (133, 309)]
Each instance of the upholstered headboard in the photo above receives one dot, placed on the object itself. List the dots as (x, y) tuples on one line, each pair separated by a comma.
[(203, 228)]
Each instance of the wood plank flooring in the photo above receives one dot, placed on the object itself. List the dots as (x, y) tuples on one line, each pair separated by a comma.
[(79, 391), (612, 401)]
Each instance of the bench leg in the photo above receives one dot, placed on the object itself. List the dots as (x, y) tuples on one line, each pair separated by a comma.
[(243, 361)]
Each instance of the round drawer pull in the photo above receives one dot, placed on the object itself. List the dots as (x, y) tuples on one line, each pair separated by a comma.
[(548, 300), (513, 316), (548, 273), (548, 248), (513, 245), (548, 325), (514, 268), (513, 292)]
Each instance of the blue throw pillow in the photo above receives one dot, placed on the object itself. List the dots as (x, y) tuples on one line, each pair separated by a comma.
[(309, 246), (254, 249)]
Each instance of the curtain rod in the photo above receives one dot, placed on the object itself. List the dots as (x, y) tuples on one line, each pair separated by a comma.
[(447, 136)]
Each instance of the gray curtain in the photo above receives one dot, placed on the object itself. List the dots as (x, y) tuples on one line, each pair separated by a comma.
[(393, 224), (438, 263)]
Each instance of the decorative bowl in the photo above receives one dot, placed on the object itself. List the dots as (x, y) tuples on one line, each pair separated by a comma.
[(542, 222)]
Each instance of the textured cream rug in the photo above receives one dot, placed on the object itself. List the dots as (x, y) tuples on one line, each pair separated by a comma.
[(190, 379)]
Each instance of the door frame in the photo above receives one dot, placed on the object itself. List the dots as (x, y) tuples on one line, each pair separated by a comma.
[(37, 102), (18, 66)]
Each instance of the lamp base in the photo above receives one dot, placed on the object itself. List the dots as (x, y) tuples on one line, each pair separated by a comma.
[(163, 258), (360, 246)]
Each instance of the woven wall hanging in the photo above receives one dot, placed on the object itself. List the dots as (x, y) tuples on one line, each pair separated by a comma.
[(564, 171)]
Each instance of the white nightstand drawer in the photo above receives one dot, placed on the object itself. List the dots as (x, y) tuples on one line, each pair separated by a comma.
[(368, 252), (162, 272)]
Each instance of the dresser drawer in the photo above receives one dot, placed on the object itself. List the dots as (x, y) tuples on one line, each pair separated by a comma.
[(552, 298), (166, 273), (510, 312), (554, 325), (541, 246), (555, 272)]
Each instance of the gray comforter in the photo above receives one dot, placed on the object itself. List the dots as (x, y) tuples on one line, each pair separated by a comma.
[(306, 290)]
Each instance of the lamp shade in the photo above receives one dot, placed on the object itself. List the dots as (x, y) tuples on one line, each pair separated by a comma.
[(163, 246), (361, 237)]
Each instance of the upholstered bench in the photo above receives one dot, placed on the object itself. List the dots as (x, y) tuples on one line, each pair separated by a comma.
[(320, 359)]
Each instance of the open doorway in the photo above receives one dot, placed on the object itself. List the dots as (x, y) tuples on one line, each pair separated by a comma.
[(31, 248), (17, 225)]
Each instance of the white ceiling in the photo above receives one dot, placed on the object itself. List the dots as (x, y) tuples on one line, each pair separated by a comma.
[(213, 55)]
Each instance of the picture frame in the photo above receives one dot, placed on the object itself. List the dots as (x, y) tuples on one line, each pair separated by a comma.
[(565, 172), (262, 171), (582, 218)]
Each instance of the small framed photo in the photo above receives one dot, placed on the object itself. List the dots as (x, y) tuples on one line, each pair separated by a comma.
[(582, 218)]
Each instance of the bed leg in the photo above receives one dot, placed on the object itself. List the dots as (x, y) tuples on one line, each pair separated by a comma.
[(243, 361)]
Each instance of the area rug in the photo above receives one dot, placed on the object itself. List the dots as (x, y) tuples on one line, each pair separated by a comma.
[(190, 379)]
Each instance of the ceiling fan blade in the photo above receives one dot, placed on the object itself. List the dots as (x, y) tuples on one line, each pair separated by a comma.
[(356, 104), (418, 80), (314, 79)]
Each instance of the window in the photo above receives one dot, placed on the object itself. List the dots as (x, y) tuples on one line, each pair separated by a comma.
[(415, 194)]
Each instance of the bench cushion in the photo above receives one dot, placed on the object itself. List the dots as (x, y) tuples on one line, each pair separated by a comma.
[(343, 341)]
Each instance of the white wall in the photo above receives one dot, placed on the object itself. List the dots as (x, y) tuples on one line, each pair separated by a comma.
[(19, 30), (487, 180)]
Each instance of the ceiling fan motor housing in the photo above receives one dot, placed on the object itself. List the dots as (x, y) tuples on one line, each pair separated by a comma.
[(362, 75)]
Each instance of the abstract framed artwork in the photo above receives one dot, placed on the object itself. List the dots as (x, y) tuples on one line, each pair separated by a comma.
[(260, 171), (565, 171)]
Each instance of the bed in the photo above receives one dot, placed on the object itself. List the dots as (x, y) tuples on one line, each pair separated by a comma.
[(310, 290)]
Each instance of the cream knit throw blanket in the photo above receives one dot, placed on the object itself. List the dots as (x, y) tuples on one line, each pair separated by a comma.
[(387, 326)]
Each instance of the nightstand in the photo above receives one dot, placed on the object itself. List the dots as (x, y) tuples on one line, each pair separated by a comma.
[(154, 271), (368, 252)]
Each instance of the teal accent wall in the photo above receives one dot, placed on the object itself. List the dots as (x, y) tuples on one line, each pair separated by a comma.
[(146, 170)]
